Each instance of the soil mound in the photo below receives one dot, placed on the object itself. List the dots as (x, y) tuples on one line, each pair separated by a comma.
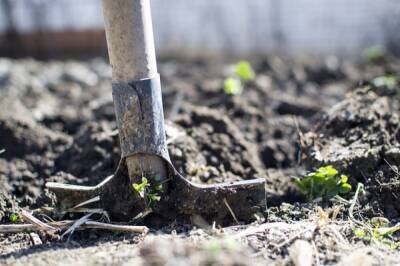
[(360, 136)]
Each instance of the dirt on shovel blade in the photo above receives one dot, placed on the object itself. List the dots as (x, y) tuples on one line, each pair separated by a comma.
[(57, 124)]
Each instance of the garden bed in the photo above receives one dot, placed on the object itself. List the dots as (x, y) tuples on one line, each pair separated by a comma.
[(57, 124)]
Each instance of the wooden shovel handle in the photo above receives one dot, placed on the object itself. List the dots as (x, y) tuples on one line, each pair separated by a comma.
[(130, 41)]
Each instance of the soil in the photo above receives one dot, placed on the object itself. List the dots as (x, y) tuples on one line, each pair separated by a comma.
[(360, 137), (57, 123)]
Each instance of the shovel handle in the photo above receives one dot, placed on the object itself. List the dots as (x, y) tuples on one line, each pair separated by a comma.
[(130, 41)]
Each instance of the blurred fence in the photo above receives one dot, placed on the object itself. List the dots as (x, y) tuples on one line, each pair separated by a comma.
[(319, 27)]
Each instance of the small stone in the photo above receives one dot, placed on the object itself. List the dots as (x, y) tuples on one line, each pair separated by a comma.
[(178, 153), (301, 253), (35, 239)]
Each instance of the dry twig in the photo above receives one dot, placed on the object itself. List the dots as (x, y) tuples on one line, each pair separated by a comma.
[(39, 224), (231, 211), (116, 227), (267, 226), (77, 224), (95, 199), (18, 228), (352, 205)]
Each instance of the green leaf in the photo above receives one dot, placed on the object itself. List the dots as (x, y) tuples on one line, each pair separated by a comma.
[(388, 81), (158, 187), (233, 86), (345, 188), (328, 170), (244, 71), (140, 187), (300, 184), (153, 197), (14, 218), (324, 183), (358, 232)]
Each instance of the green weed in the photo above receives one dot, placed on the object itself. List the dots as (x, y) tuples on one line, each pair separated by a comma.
[(325, 183), (14, 218), (242, 72), (373, 54), (147, 191), (141, 187), (387, 81), (377, 231), (233, 86)]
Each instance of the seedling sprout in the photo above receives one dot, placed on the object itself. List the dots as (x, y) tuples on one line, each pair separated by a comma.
[(242, 72), (146, 191), (325, 183)]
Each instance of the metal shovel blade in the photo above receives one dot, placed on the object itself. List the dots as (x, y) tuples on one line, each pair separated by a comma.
[(216, 202)]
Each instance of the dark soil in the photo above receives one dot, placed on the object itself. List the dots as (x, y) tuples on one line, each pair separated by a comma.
[(57, 124), (361, 137)]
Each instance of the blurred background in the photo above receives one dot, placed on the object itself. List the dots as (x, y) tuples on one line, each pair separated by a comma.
[(74, 28)]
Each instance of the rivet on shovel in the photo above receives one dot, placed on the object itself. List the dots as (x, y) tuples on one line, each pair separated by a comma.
[(145, 160)]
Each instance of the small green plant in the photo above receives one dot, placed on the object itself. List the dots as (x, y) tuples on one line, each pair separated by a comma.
[(373, 54), (242, 72), (147, 191), (377, 231), (387, 81), (153, 197), (325, 183), (141, 187), (233, 86), (14, 218)]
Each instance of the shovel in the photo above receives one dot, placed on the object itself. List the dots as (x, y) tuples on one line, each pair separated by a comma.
[(146, 178)]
